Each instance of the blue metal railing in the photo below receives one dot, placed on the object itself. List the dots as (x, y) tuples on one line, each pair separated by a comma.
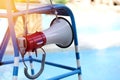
[(62, 10)]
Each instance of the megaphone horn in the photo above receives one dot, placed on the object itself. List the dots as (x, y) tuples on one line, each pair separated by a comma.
[(59, 33)]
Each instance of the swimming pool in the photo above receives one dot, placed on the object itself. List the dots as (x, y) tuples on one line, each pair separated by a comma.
[(95, 64)]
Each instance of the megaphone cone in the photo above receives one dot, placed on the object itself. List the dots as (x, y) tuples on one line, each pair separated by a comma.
[(59, 33)]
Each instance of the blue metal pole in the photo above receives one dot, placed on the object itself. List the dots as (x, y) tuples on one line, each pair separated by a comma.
[(25, 33), (65, 75), (31, 65), (14, 41), (4, 44), (75, 40), (12, 61), (56, 65), (76, 45)]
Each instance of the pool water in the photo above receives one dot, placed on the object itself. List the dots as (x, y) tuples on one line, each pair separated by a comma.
[(95, 64)]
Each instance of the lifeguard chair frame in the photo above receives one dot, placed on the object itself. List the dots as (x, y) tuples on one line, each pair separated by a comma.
[(12, 14)]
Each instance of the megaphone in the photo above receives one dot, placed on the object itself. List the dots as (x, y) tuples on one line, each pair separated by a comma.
[(60, 33)]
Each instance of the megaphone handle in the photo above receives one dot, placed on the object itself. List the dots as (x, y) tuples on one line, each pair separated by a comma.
[(40, 71)]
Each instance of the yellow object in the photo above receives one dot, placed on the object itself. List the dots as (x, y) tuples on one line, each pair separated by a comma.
[(26, 0)]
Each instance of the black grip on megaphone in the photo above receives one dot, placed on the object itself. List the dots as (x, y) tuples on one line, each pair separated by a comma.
[(40, 71)]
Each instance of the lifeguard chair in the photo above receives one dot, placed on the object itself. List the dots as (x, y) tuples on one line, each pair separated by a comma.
[(12, 14)]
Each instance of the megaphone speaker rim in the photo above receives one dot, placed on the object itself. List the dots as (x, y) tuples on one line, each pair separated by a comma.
[(66, 46)]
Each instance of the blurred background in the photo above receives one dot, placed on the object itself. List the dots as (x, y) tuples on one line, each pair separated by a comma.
[(98, 30), (97, 21)]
